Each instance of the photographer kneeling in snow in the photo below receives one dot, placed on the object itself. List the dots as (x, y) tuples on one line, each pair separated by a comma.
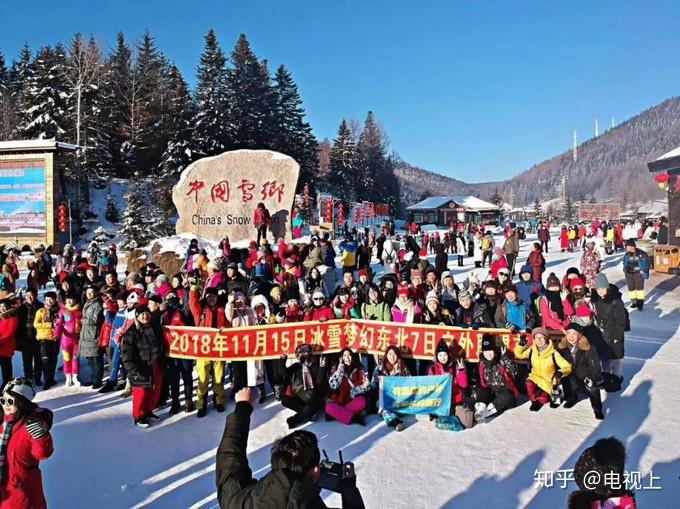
[(295, 469)]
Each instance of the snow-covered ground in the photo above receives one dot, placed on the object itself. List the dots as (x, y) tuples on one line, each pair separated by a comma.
[(101, 460)]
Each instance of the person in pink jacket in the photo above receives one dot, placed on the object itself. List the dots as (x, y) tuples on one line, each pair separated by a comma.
[(444, 364), (554, 307), (67, 331)]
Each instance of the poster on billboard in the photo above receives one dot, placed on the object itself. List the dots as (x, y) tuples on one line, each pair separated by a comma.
[(603, 211), (22, 198)]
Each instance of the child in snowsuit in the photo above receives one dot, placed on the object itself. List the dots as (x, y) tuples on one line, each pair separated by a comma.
[(67, 331)]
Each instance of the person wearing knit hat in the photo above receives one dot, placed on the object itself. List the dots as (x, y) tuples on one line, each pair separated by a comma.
[(548, 366), (611, 318), (512, 313), (406, 310), (585, 376), (554, 306), (25, 441), (577, 289), (553, 281), (319, 310), (636, 265), (445, 364), (141, 353), (472, 314), (497, 390), (602, 281), (590, 264), (605, 460)]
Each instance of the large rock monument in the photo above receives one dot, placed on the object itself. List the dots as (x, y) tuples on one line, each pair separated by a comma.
[(217, 196)]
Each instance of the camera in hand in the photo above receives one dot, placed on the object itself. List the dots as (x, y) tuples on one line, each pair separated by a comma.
[(335, 475)]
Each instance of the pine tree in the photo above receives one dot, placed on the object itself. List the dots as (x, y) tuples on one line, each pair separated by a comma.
[(343, 165), (377, 182), (8, 117), (120, 88), (292, 134), (177, 154), (537, 208), (251, 100), (209, 120), (19, 75), (496, 198), (133, 227), (83, 65), (45, 97), (111, 214), (568, 210), (550, 212)]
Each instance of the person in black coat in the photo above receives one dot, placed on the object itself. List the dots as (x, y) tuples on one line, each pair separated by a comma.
[(611, 317), (293, 480), (585, 376), (441, 260), (308, 386), (141, 353), (235, 282)]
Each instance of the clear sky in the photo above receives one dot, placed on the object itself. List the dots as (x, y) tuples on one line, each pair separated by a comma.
[(477, 90)]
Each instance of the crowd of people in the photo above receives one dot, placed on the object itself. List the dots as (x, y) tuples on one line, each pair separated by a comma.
[(577, 323), (572, 329)]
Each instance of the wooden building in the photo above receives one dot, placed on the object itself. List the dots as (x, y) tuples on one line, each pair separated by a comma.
[(30, 189), (442, 210), (669, 163)]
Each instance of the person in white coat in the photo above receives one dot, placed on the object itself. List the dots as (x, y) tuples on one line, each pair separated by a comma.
[(477, 251), (248, 373)]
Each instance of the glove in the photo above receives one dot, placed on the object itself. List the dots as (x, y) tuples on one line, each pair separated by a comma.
[(280, 317), (523, 340), (36, 428), (512, 328)]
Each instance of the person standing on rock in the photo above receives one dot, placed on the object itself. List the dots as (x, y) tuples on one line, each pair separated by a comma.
[(262, 220)]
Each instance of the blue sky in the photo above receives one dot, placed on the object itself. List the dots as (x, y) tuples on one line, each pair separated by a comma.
[(476, 90)]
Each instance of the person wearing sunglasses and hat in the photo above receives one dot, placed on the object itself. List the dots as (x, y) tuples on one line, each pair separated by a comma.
[(25, 441)]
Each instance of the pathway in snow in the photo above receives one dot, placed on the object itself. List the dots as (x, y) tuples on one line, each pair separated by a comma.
[(102, 461)]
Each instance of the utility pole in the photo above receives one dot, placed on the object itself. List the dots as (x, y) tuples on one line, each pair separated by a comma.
[(574, 151)]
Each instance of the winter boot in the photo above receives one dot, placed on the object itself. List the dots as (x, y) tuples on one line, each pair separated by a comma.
[(490, 411), (201, 412), (189, 406), (142, 422), (174, 408), (480, 412), (109, 386), (69, 380), (219, 407), (536, 406), (633, 304), (399, 425), (76, 383), (263, 394), (599, 415), (293, 421), (640, 304)]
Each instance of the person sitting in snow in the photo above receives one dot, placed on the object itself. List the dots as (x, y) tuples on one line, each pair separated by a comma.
[(497, 390), (308, 386), (348, 383), (548, 367), (391, 364), (444, 365)]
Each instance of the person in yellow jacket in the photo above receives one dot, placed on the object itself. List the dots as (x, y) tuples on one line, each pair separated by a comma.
[(547, 367), (49, 346)]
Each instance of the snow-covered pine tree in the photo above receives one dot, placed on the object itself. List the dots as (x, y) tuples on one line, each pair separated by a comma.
[(371, 160), (133, 227), (8, 116), (46, 95), (343, 160), (111, 213), (19, 76), (537, 208), (251, 100), (292, 133), (177, 154), (209, 120), (119, 84)]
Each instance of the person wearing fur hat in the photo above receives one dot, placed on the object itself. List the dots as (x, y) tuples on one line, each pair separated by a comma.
[(554, 307), (497, 390), (207, 312), (444, 364), (348, 383), (141, 352), (607, 459), (391, 364), (67, 332), (585, 376), (307, 388), (512, 313), (611, 317), (25, 441), (548, 367), (43, 322), (636, 266)]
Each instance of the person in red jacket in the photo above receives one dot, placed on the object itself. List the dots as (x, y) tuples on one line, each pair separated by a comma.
[(319, 311), (444, 365), (9, 324), (536, 261), (25, 440), (262, 220), (564, 239)]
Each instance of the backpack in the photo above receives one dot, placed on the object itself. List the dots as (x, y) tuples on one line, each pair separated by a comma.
[(486, 243)]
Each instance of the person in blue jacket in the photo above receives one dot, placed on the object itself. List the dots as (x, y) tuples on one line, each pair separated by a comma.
[(636, 266), (528, 290)]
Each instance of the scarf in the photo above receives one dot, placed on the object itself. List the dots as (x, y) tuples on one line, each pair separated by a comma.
[(4, 441), (307, 379), (555, 301), (408, 308)]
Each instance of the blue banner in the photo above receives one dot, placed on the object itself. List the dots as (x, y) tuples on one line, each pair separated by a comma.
[(416, 394)]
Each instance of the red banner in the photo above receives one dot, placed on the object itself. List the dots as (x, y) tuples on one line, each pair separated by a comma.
[(272, 341)]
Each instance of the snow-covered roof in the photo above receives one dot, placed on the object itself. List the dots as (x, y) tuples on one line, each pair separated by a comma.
[(666, 162), (13, 146), (673, 153), (469, 202), (654, 208)]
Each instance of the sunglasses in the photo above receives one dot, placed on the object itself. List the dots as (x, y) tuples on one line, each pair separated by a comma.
[(502, 274), (7, 401), (317, 299)]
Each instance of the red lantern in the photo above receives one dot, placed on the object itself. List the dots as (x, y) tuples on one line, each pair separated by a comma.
[(329, 211), (356, 214), (662, 180), (341, 214), (62, 218)]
